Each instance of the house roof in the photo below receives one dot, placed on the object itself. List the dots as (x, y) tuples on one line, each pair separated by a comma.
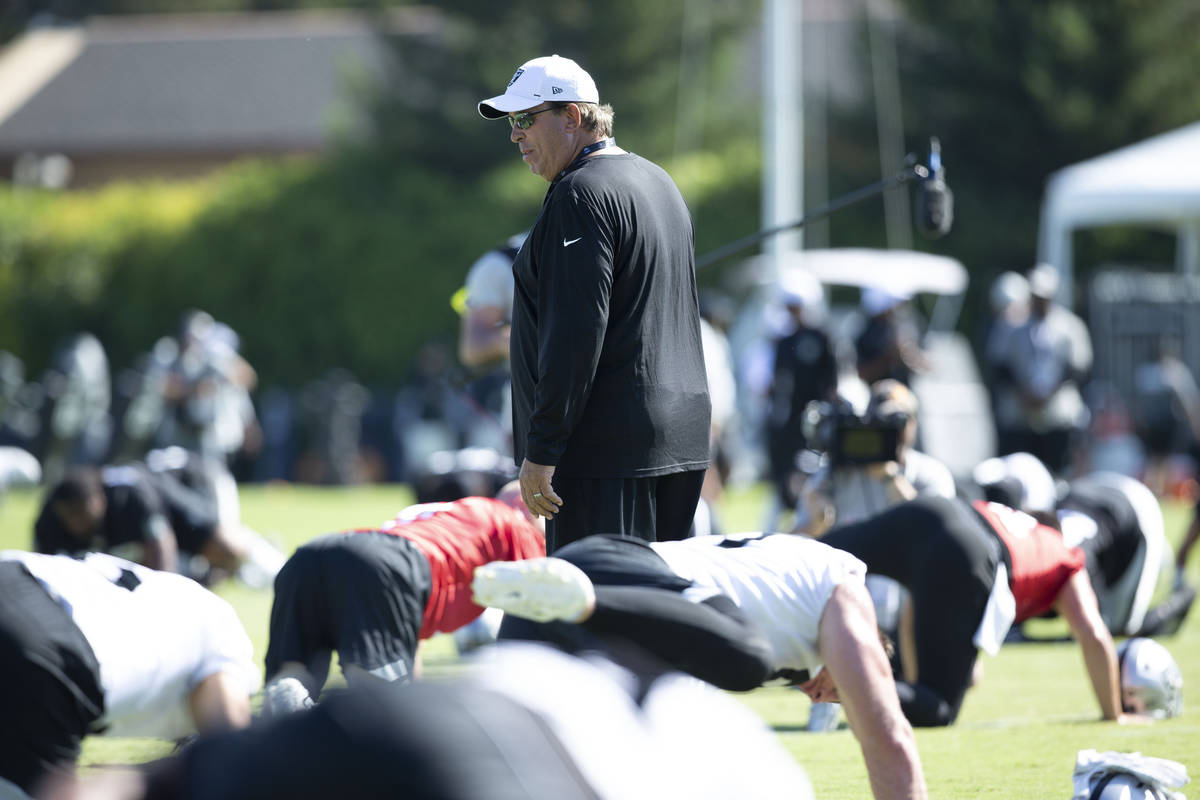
[(190, 83)]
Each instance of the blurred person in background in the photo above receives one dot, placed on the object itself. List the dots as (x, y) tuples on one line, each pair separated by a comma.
[(191, 390), (147, 516), (432, 414), (1049, 359), (1166, 410), (722, 390), (805, 370), (329, 417), (20, 405), (18, 427), (611, 414), (1009, 302), (77, 389), (372, 595), (1117, 522), (889, 345), (102, 645), (203, 386), (486, 302)]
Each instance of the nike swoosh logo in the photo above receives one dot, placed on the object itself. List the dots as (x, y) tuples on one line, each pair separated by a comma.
[(571, 242)]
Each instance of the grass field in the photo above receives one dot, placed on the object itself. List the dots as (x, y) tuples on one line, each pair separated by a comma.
[(1017, 735)]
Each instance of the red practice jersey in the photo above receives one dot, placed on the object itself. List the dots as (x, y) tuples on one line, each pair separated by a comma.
[(456, 538), (1041, 563)]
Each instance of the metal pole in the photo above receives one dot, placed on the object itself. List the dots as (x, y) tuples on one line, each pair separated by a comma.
[(782, 125)]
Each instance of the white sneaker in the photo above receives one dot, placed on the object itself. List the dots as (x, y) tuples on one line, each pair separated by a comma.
[(824, 717), (286, 695), (479, 632), (540, 589)]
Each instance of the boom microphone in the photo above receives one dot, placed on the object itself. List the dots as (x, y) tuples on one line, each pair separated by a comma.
[(911, 170), (935, 201)]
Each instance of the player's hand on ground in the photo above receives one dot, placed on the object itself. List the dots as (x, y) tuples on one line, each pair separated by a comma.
[(1134, 719)]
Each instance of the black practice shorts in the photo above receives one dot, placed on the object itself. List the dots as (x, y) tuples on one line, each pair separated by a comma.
[(361, 594), (50, 693), (193, 513)]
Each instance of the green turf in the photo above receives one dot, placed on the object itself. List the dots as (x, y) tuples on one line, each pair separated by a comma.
[(1017, 736)]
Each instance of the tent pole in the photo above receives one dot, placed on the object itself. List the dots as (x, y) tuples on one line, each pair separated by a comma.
[(1187, 248)]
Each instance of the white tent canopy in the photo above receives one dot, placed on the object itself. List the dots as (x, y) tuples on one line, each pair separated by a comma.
[(1155, 182)]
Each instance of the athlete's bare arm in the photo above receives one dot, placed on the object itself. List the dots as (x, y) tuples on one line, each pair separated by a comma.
[(1076, 602), (854, 657)]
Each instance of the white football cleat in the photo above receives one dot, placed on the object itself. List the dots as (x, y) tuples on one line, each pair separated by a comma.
[(540, 589)]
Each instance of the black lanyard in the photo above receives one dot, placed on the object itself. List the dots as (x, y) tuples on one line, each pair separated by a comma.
[(587, 151)]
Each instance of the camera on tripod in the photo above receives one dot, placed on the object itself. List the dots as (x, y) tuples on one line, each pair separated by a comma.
[(849, 438)]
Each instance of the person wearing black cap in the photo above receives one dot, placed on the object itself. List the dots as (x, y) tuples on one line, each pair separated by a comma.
[(611, 409)]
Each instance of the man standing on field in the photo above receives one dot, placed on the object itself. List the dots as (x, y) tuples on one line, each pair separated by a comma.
[(610, 400)]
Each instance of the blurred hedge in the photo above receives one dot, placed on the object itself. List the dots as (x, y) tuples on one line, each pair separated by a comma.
[(347, 262)]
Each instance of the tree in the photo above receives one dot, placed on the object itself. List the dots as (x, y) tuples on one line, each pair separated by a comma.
[(1019, 90)]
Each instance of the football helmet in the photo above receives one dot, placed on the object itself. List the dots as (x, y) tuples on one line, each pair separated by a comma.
[(1121, 786), (1151, 682)]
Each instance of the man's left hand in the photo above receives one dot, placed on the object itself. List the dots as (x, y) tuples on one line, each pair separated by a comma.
[(539, 496)]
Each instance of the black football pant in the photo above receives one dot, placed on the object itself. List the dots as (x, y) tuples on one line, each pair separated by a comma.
[(945, 554), (643, 619), (657, 509)]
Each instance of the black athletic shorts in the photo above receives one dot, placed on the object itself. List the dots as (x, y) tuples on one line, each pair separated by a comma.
[(50, 695), (361, 594), (193, 513), (1118, 532)]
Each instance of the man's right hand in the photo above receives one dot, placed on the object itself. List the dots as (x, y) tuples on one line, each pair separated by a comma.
[(536, 491)]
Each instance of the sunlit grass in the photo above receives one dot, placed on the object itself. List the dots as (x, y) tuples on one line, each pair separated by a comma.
[(1017, 736)]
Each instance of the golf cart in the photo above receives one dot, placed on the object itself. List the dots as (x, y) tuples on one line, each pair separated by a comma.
[(955, 416)]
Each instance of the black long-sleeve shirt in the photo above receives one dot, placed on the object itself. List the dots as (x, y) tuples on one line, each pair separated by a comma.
[(607, 363)]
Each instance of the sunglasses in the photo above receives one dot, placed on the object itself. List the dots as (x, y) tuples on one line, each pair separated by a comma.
[(526, 118)]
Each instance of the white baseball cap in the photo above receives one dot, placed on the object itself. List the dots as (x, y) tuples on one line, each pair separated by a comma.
[(1043, 281), (875, 299), (540, 80)]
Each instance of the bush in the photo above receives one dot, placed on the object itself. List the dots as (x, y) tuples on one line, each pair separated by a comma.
[(348, 262)]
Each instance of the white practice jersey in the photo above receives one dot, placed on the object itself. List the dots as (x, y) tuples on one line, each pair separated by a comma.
[(781, 581), (155, 634)]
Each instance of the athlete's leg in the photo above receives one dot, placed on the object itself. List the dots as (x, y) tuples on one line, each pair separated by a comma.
[(941, 551), (300, 642), (384, 585), (639, 599)]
